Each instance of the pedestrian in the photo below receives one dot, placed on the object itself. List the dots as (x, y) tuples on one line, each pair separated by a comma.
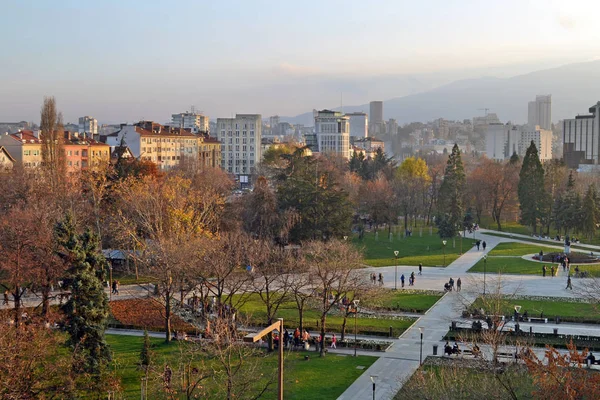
[(402, 280), (458, 285), (484, 245), (552, 271), (374, 278), (564, 266), (118, 287), (478, 243), (544, 270), (380, 279), (420, 268), (114, 287), (5, 302), (333, 341), (318, 342), (569, 283), (451, 282)]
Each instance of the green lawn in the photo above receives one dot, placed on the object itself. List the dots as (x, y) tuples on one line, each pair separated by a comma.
[(254, 308), (506, 258), (302, 379), (404, 300), (535, 242), (413, 250), (567, 310)]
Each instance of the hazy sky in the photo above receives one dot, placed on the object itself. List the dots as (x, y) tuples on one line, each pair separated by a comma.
[(122, 60)]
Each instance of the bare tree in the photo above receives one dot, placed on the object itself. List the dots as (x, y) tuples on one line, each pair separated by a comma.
[(333, 265), (52, 137)]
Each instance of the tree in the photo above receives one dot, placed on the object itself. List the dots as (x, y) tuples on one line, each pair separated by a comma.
[(411, 183), (450, 198), (377, 199), (514, 159), (589, 213), (145, 353), (531, 189), (310, 188), (18, 241), (86, 311), (52, 137), (333, 266)]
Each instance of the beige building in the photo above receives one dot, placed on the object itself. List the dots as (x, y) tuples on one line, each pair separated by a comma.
[(25, 147), (542, 139), (193, 121), (166, 146)]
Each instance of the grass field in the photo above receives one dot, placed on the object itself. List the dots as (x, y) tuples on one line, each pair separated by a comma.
[(254, 309), (567, 310), (506, 258), (428, 249), (404, 300), (302, 379)]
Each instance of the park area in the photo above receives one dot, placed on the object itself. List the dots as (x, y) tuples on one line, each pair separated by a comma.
[(312, 378), (423, 246), (506, 258)]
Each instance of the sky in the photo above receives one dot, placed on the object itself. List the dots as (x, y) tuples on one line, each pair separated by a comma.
[(125, 60)]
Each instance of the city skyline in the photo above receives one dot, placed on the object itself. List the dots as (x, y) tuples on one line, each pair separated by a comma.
[(151, 60)]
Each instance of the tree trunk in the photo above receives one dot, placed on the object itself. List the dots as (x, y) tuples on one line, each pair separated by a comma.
[(323, 318), (343, 335), (301, 316), (168, 317), (17, 304), (45, 300)]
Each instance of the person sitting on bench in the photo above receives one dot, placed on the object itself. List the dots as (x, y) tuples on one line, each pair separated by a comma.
[(447, 349), (455, 349), (591, 358)]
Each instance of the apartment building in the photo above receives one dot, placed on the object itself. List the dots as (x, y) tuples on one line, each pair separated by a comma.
[(240, 139), (166, 146), (88, 125), (333, 133), (581, 138), (193, 121), (25, 147), (539, 112), (82, 152), (359, 124)]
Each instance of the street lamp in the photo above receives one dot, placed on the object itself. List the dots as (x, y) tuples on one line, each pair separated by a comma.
[(444, 246), (421, 329), (396, 252), (345, 238), (373, 377), (355, 312), (484, 271)]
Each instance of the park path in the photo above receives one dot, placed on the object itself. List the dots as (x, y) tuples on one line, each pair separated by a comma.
[(398, 364)]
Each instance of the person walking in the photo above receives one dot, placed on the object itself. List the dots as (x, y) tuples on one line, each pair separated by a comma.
[(484, 245), (478, 243), (569, 283), (380, 279), (5, 302), (544, 270), (451, 282), (552, 271), (458, 285), (420, 268), (333, 341), (114, 287), (402, 280)]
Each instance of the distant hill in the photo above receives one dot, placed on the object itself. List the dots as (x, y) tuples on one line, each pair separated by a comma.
[(574, 88)]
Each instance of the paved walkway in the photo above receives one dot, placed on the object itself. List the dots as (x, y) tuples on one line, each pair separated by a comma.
[(397, 365)]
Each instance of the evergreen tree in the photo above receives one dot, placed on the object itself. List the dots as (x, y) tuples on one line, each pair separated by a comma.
[(589, 212), (450, 198), (356, 161), (514, 158), (531, 189), (569, 212), (145, 353), (86, 311)]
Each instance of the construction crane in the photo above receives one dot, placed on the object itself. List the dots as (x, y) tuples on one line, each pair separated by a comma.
[(486, 110)]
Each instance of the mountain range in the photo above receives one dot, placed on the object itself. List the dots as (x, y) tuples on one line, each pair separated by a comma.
[(574, 88)]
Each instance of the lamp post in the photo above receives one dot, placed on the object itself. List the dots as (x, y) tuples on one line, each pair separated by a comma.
[(444, 246), (355, 312), (484, 271), (421, 330), (396, 252), (373, 377)]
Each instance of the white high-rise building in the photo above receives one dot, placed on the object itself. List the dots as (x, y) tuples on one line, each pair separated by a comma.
[(333, 133), (359, 124), (191, 120), (240, 143), (539, 112), (581, 138), (376, 123), (542, 139), (89, 125), (501, 141)]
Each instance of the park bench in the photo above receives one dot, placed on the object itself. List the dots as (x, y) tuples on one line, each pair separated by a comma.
[(501, 354), (537, 319)]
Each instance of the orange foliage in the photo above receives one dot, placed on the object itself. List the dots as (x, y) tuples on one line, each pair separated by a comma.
[(145, 313)]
